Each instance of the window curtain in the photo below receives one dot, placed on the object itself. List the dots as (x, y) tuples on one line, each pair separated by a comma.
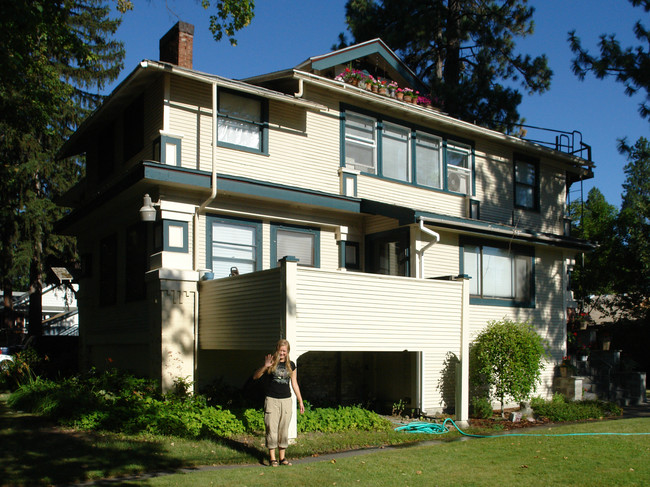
[(233, 245), (297, 244), (242, 129)]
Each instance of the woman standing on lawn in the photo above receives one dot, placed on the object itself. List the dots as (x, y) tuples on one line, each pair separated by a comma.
[(278, 370)]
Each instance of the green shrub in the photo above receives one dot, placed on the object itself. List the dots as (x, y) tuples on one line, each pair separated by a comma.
[(23, 369), (481, 407), (253, 420), (507, 357), (560, 409), (332, 420)]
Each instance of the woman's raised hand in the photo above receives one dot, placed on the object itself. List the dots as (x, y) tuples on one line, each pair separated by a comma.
[(268, 360)]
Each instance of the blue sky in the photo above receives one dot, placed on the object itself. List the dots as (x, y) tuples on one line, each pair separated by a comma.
[(286, 32)]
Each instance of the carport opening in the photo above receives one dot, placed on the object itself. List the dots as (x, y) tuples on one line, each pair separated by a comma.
[(374, 380)]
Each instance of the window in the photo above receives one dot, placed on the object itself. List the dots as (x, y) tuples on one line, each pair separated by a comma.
[(108, 270), (427, 156), (233, 243), (526, 183), (396, 151), (395, 156), (133, 128), (135, 262), (499, 273), (459, 169), (242, 121), (352, 255), (300, 242), (360, 143)]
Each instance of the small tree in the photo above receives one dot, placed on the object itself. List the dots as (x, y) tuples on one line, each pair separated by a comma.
[(507, 357)]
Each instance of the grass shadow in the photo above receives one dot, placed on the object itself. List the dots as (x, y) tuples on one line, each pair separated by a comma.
[(35, 452)]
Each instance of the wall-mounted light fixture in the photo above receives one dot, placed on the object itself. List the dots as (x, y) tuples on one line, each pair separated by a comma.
[(148, 212)]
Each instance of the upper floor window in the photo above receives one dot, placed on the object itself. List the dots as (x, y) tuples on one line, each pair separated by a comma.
[(398, 152), (395, 153), (459, 169), (243, 121), (361, 143), (428, 151), (526, 183), (499, 273), (133, 128)]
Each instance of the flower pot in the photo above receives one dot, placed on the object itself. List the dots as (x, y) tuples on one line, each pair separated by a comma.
[(363, 85), (399, 95), (375, 89), (564, 371), (383, 91)]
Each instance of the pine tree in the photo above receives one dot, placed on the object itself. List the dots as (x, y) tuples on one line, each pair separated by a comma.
[(630, 65), (56, 56), (463, 49)]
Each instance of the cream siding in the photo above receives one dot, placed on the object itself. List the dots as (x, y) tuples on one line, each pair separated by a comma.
[(242, 312)]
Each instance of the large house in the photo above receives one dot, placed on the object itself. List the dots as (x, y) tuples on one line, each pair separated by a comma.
[(377, 235)]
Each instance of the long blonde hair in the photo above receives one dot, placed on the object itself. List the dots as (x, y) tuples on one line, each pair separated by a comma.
[(276, 357)]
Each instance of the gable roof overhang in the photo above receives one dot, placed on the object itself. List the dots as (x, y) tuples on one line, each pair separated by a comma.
[(376, 53), (479, 228), (144, 74)]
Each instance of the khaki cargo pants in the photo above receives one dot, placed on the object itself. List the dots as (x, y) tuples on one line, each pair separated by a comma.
[(277, 415)]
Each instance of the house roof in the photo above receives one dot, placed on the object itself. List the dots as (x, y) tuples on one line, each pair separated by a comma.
[(144, 74)]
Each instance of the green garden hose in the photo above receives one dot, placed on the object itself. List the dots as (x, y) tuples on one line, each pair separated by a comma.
[(441, 428)]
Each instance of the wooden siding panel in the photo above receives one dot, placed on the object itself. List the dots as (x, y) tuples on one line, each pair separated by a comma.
[(240, 313), (363, 312)]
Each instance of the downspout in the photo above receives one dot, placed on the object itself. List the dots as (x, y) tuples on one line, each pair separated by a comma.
[(301, 88), (195, 228), (436, 239), (200, 209)]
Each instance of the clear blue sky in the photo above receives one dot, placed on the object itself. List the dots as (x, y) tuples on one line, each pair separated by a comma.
[(286, 32)]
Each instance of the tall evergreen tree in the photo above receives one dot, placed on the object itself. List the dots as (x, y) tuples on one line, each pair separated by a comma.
[(630, 65), (55, 57), (596, 273), (463, 49), (634, 227)]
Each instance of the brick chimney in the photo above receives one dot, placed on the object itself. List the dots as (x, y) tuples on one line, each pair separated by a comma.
[(176, 45)]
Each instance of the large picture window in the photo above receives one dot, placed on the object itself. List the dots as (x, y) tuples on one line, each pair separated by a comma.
[(233, 243), (499, 273), (526, 183), (242, 121), (392, 150)]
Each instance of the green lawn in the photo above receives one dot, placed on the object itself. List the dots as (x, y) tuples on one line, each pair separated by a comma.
[(504, 461), (33, 452)]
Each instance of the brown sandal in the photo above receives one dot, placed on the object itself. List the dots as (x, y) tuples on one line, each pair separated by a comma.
[(273, 463), (284, 461)]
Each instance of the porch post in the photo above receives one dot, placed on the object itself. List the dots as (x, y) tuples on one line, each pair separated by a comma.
[(341, 238), (289, 265), (462, 376)]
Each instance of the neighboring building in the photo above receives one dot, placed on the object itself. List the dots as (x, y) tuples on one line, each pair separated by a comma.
[(383, 206), (59, 313)]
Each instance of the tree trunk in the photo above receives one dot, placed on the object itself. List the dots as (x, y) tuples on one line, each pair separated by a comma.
[(452, 59), (35, 313)]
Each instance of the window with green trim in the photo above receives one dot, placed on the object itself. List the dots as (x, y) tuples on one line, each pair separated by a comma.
[(394, 150), (233, 243), (242, 121), (526, 183), (300, 242), (499, 273)]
